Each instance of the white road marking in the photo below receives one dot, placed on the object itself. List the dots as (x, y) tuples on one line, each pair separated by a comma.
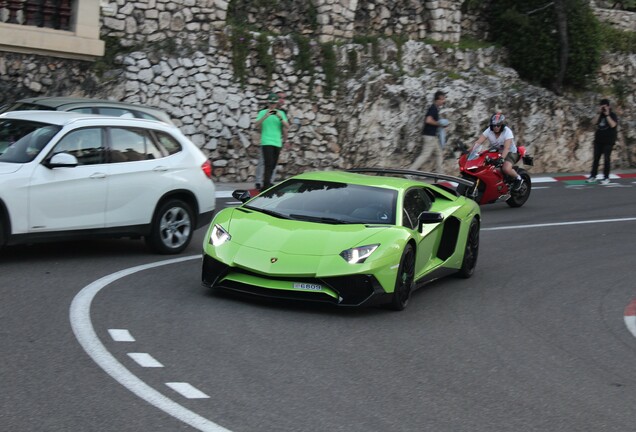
[(121, 335), (85, 333), (186, 390), (511, 227), (145, 360), (224, 194)]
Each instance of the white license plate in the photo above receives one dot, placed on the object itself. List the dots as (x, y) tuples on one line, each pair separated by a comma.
[(307, 286)]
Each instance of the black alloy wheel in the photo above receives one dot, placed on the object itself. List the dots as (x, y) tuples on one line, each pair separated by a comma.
[(470, 251), (405, 281)]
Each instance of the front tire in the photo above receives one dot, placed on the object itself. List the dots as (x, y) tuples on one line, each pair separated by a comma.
[(475, 193), (519, 198), (2, 232), (471, 250), (405, 281), (172, 227)]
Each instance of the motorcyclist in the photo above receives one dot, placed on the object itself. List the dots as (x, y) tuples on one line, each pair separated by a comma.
[(499, 135)]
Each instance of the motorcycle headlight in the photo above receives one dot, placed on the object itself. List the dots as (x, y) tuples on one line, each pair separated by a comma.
[(218, 236), (358, 255)]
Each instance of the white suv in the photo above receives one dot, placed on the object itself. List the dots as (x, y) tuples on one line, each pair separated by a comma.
[(65, 175)]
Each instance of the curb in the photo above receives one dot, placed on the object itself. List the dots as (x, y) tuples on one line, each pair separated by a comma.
[(630, 317)]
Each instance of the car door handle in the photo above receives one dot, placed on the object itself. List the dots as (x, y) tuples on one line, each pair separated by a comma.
[(98, 175), (160, 168)]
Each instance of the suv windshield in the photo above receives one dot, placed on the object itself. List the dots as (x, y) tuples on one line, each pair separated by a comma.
[(328, 202), (21, 140)]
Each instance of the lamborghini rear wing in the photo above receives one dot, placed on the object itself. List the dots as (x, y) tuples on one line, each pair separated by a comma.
[(403, 172)]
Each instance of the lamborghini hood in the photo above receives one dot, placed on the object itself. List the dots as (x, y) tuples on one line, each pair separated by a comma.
[(267, 233)]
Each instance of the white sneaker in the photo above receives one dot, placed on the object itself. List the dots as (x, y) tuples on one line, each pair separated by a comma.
[(591, 180), (605, 181)]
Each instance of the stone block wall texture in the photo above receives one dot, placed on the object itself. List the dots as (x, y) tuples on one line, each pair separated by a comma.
[(177, 55)]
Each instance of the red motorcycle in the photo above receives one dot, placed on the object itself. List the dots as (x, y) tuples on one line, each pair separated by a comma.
[(482, 165)]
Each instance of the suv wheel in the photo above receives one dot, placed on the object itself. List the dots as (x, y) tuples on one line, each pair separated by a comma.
[(2, 228), (172, 227)]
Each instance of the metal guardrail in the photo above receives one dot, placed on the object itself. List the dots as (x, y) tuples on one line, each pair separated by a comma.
[(423, 174), (37, 13)]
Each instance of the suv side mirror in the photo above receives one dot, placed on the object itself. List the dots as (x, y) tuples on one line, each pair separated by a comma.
[(62, 160)]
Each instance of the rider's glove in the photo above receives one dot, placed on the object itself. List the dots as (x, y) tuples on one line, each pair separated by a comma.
[(498, 162)]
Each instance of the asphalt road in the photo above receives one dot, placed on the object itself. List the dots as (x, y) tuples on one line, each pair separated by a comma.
[(535, 341)]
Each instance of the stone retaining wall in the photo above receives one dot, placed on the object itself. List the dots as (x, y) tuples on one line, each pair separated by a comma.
[(373, 116)]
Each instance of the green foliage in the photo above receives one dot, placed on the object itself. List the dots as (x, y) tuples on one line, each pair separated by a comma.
[(617, 40), (352, 60), (628, 5), (303, 59), (584, 46), (237, 12), (258, 14), (312, 15), (374, 41), (329, 66), (469, 43), (112, 48), (529, 31), (264, 57), (399, 43), (240, 40), (621, 89)]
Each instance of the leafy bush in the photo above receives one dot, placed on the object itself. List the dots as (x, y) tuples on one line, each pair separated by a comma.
[(264, 57), (240, 40), (529, 30), (329, 66), (618, 40)]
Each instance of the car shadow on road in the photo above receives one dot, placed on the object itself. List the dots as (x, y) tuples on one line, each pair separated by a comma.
[(97, 248)]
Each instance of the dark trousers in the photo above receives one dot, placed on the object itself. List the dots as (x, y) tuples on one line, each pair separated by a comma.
[(270, 159), (606, 151)]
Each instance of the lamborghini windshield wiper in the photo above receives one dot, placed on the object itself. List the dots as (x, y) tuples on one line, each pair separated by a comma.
[(269, 212), (321, 219)]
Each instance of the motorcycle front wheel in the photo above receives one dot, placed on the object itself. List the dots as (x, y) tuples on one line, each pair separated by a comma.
[(519, 198), (475, 193)]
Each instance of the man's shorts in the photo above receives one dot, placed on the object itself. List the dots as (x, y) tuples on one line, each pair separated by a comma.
[(513, 158)]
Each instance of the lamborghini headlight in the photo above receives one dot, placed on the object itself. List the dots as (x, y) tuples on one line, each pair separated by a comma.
[(359, 254), (218, 236)]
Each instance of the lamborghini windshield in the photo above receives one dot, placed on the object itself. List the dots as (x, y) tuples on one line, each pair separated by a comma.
[(328, 202)]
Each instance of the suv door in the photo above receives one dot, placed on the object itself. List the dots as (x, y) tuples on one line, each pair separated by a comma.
[(69, 198), (139, 176)]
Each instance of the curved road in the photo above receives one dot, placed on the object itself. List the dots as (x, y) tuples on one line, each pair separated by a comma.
[(535, 341)]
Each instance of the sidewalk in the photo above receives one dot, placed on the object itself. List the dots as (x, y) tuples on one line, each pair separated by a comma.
[(224, 190)]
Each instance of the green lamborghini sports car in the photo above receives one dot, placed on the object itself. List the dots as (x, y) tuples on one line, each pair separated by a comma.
[(364, 236)]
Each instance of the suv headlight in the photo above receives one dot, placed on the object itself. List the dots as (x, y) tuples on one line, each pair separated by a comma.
[(218, 236), (359, 254)]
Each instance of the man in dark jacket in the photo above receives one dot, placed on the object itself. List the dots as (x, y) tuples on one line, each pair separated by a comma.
[(429, 134)]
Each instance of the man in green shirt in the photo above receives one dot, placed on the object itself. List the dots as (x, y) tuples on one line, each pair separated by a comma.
[(272, 122)]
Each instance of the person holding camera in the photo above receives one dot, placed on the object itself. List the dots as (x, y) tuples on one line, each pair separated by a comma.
[(273, 123), (604, 140)]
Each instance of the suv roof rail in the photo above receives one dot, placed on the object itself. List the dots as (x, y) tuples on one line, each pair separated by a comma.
[(404, 172)]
